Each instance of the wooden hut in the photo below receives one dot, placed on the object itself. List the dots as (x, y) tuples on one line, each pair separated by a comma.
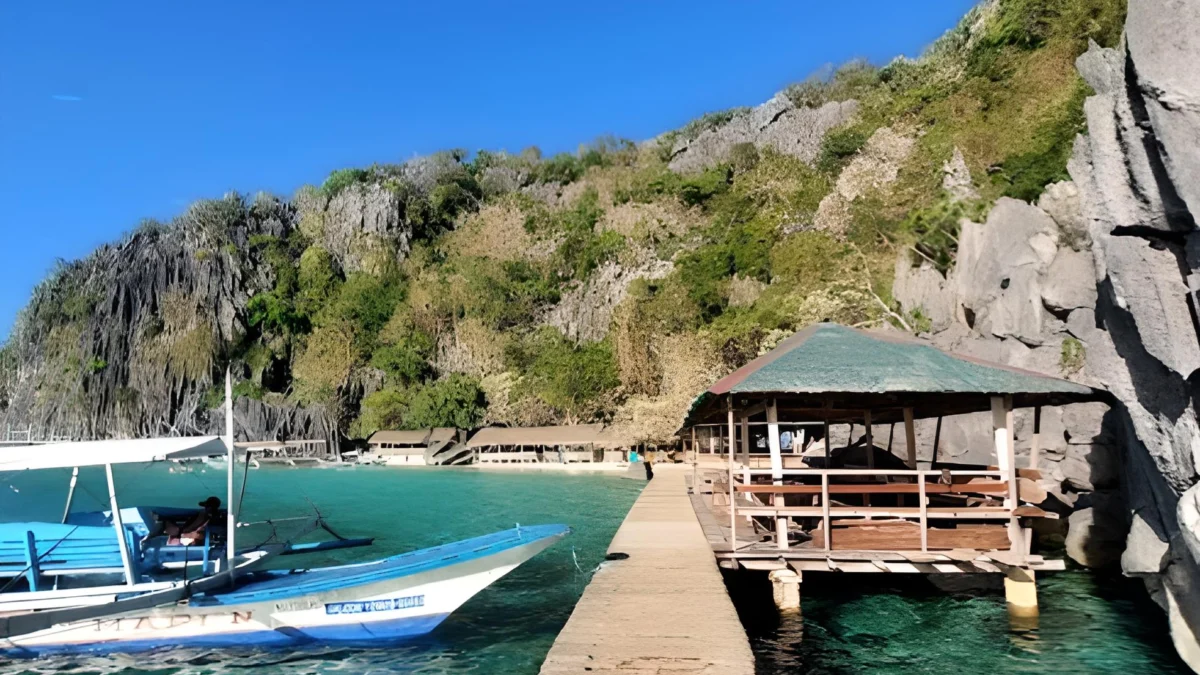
[(402, 448), (861, 508), (579, 445)]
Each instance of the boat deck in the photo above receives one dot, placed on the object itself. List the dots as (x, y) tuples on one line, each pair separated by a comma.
[(664, 608)]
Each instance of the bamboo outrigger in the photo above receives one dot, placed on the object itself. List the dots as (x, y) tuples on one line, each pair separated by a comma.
[(860, 508)]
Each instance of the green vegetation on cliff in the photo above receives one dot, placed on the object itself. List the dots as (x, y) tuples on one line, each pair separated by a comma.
[(463, 289)]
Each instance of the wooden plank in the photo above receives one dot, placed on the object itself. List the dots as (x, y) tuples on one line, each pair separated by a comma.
[(1030, 491), (763, 565), (976, 486), (964, 513), (868, 537)]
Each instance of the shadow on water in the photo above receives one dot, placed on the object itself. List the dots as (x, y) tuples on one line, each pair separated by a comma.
[(1089, 623)]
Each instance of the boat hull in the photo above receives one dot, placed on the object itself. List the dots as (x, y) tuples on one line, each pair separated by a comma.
[(382, 609)]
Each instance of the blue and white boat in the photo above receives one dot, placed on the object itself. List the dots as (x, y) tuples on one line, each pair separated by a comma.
[(96, 583)]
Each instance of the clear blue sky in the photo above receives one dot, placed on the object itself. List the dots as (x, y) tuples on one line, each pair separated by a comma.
[(113, 112)]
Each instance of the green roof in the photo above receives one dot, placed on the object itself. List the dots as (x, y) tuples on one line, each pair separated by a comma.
[(866, 368)]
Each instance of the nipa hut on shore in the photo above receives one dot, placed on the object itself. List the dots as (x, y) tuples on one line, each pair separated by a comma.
[(579, 444), (408, 447)]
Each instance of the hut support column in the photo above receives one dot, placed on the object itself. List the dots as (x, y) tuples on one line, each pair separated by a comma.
[(745, 424), (785, 586), (732, 494), (1006, 460), (870, 451), (781, 536), (1020, 592), (910, 438)]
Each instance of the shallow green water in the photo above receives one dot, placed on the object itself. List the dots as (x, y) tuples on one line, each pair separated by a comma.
[(866, 623)]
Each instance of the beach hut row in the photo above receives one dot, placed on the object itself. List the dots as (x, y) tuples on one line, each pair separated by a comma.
[(591, 445)]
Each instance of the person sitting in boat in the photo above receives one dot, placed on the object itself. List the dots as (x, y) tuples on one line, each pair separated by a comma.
[(191, 531)]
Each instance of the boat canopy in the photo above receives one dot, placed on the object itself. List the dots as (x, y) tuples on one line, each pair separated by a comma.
[(99, 453)]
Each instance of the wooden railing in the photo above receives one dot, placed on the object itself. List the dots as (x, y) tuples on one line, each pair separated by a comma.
[(984, 481)]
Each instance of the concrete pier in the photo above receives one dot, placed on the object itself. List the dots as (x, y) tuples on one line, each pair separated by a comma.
[(664, 608)]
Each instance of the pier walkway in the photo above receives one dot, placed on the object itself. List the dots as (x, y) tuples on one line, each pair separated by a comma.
[(665, 608)]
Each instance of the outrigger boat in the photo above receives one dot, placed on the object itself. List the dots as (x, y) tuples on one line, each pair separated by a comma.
[(108, 582)]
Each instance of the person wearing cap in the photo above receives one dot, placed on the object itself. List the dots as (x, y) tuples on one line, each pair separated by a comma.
[(191, 531)]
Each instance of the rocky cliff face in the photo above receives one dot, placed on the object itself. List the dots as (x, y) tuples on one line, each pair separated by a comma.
[(1137, 172), (1095, 282)]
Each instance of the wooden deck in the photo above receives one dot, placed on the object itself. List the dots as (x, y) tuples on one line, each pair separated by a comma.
[(758, 552), (665, 608)]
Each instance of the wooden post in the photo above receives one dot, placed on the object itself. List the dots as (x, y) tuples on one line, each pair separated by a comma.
[(746, 440), (827, 443), (910, 438), (1035, 441), (781, 536), (924, 514), (1006, 460), (695, 463), (870, 451), (744, 428), (870, 435), (825, 509), (937, 440), (732, 503)]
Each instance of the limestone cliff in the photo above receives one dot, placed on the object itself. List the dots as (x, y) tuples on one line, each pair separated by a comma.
[(1096, 282)]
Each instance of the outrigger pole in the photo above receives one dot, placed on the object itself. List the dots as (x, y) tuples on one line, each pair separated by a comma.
[(230, 508)]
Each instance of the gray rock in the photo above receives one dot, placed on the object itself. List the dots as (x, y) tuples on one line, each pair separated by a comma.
[(363, 228), (923, 288), (1061, 202), (1091, 467), (1164, 47), (956, 179), (776, 124), (1146, 283), (1070, 283), (999, 269), (1145, 551), (585, 311), (1096, 534)]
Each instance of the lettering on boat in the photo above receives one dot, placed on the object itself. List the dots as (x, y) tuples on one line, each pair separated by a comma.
[(152, 623), (385, 605)]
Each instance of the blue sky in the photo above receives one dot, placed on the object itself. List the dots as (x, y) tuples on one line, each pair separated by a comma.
[(115, 112)]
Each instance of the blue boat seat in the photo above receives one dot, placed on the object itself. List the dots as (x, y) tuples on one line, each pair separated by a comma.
[(51, 549)]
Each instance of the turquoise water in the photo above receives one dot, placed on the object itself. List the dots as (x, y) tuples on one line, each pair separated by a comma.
[(862, 623), (1089, 623), (508, 628)]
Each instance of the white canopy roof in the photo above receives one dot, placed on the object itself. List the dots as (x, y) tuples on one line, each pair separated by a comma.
[(99, 453)]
